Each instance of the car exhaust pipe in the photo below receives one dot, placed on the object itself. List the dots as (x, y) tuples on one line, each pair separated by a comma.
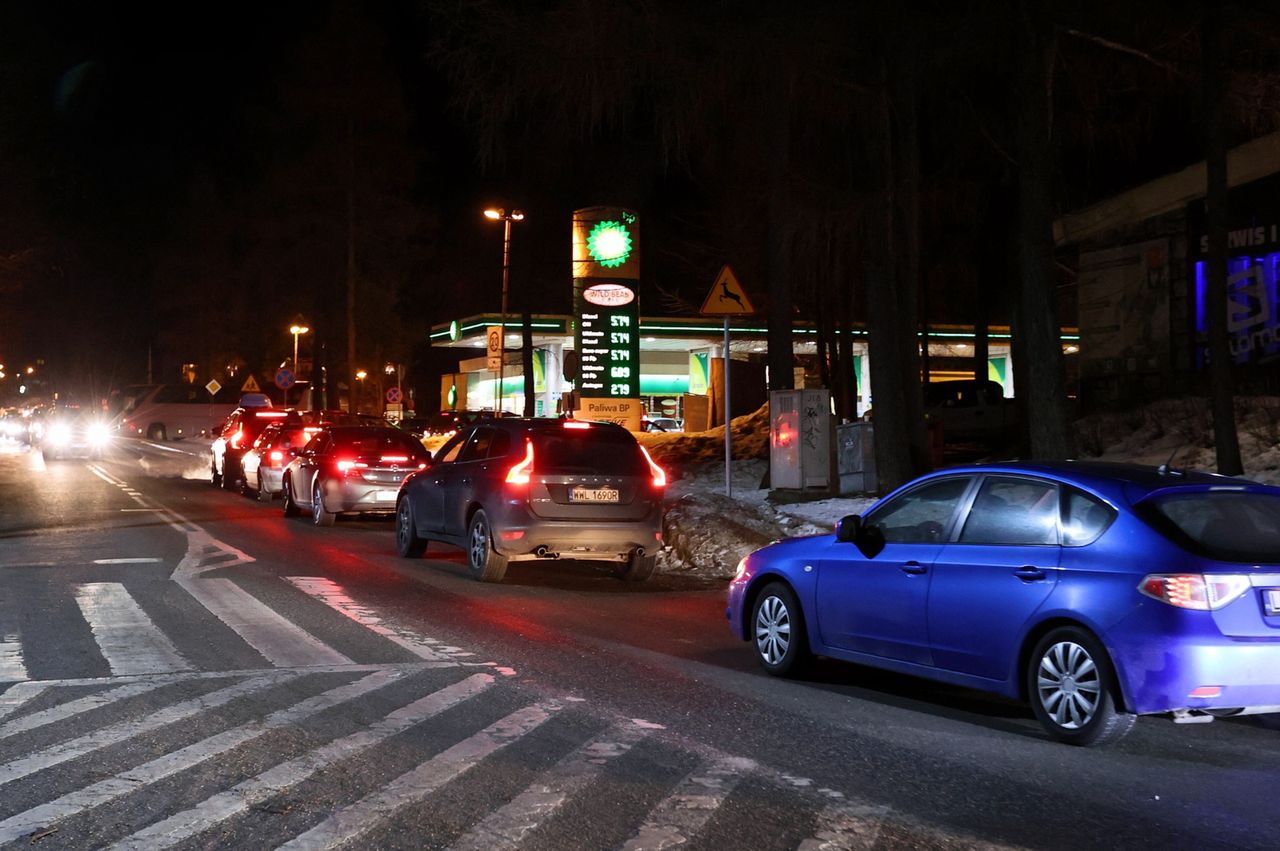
[(542, 552), (638, 552)]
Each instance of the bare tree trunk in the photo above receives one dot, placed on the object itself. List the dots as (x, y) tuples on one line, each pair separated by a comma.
[(885, 326), (781, 356), (526, 361), (1226, 442), (906, 220), (823, 327), (1045, 389)]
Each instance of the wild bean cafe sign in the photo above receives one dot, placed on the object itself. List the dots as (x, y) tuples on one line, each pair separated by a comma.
[(606, 278)]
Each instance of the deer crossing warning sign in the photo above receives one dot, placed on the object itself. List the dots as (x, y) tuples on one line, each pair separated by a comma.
[(727, 297)]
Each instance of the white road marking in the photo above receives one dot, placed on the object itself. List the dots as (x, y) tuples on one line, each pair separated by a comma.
[(63, 711), (128, 639), (846, 827), (11, 664), (681, 815), (353, 820), (333, 595), (239, 798), (153, 510), (104, 475), (157, 769), (126, 560), (18, 694), (282, 642), (116, 733), (506, 828)]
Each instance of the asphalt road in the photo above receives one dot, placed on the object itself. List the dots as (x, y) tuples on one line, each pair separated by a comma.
[(182, 666)]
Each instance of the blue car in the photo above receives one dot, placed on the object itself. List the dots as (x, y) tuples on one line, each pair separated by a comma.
[(1095, 592)]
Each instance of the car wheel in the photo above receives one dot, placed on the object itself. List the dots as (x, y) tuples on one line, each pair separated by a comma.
[(264, 495), (1073, 689), (290, 507), (230, 473), (777, 626), (407, 541), (214, 476), (639, 567), (486, 564), (320, 515)]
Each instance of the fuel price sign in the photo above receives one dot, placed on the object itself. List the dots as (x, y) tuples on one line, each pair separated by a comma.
[(608, 341)]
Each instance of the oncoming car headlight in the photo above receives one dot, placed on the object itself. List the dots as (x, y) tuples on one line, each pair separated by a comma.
[(99, 434), (59, 434)]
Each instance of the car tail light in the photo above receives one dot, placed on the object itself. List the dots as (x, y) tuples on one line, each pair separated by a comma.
[(276, 458), (576, 424), (519, 474), (1201, 591), (346, 467), (395, 459), (659, 474)]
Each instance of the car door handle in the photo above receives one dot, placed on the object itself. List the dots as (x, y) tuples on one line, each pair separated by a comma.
[(1029, 573), (914, 568)]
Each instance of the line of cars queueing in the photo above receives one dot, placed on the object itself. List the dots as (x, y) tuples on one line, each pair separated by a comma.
[(503, 489)]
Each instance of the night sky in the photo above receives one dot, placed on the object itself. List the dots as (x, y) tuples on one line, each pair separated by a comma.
[(173, 178)]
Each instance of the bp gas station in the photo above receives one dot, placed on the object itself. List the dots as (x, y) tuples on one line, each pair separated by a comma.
[(608, 360)]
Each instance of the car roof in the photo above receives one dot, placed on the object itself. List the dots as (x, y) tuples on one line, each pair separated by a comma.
[(1106, 477)]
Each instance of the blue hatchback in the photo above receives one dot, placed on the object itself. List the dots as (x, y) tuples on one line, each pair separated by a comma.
[(1096, 592)]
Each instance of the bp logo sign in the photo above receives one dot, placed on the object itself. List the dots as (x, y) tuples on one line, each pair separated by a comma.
[(609, 244)]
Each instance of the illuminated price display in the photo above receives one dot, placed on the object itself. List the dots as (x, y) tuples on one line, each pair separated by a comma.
[(608, 341)]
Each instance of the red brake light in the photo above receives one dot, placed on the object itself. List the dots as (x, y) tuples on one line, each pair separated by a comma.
[(1203, 591), (576, 424), (394, 459), (346, 466), (277, 457), (519, 474), (659, 474)]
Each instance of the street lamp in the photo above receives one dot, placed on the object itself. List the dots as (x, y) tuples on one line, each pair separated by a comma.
[(506, 219), (361, 375), (297, 329)]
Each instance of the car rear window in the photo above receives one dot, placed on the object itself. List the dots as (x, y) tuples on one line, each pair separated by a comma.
[(369, 442), (1224, 525), (588, 451)]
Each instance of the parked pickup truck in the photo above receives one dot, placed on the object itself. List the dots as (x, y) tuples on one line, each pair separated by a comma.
[(970, 411)]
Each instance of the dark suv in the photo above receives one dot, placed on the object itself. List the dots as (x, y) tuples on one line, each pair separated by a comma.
[(236, 437), (516, 489)]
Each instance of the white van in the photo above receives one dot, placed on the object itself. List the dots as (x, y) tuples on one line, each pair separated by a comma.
[(175, 411)]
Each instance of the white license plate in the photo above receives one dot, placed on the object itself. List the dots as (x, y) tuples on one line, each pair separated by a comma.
[(593, 495), (1272, 599), (386, 496)]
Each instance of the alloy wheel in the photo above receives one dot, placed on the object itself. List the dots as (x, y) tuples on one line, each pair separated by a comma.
[(773, 630), (479, 550), (1069, 685)]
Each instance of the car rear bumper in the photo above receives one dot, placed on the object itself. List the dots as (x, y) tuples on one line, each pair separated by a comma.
[(353, 496), (1176, 673), (578, 539)]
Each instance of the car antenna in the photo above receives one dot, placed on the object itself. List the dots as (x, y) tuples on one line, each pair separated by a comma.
[(1164, 469)]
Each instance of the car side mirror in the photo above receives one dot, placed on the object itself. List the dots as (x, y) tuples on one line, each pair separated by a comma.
[(847, 528), (867, 537)]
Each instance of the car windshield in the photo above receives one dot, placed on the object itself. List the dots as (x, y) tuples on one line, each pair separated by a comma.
[(1224, 525), (589, 451)]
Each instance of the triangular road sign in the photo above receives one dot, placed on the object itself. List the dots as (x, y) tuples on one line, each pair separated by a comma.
[(251, 386), (727, 297)]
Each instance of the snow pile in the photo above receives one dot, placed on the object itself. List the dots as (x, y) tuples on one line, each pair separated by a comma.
[(681, 450), (1180, 432)]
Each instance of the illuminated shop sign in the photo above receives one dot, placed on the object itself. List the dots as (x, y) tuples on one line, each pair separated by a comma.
[(1253, 321)]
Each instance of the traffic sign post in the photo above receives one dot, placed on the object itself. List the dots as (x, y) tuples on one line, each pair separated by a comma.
[(213, 387), (727, 299), (284, 378), (394, 395)]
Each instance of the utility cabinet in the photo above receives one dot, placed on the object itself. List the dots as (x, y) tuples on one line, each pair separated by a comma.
[(800, 439)]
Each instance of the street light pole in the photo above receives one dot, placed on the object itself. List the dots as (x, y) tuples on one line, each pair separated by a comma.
[(507, 219), (296, 329)]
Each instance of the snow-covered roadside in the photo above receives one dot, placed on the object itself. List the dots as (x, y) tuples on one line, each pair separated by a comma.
[(706, 533)]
